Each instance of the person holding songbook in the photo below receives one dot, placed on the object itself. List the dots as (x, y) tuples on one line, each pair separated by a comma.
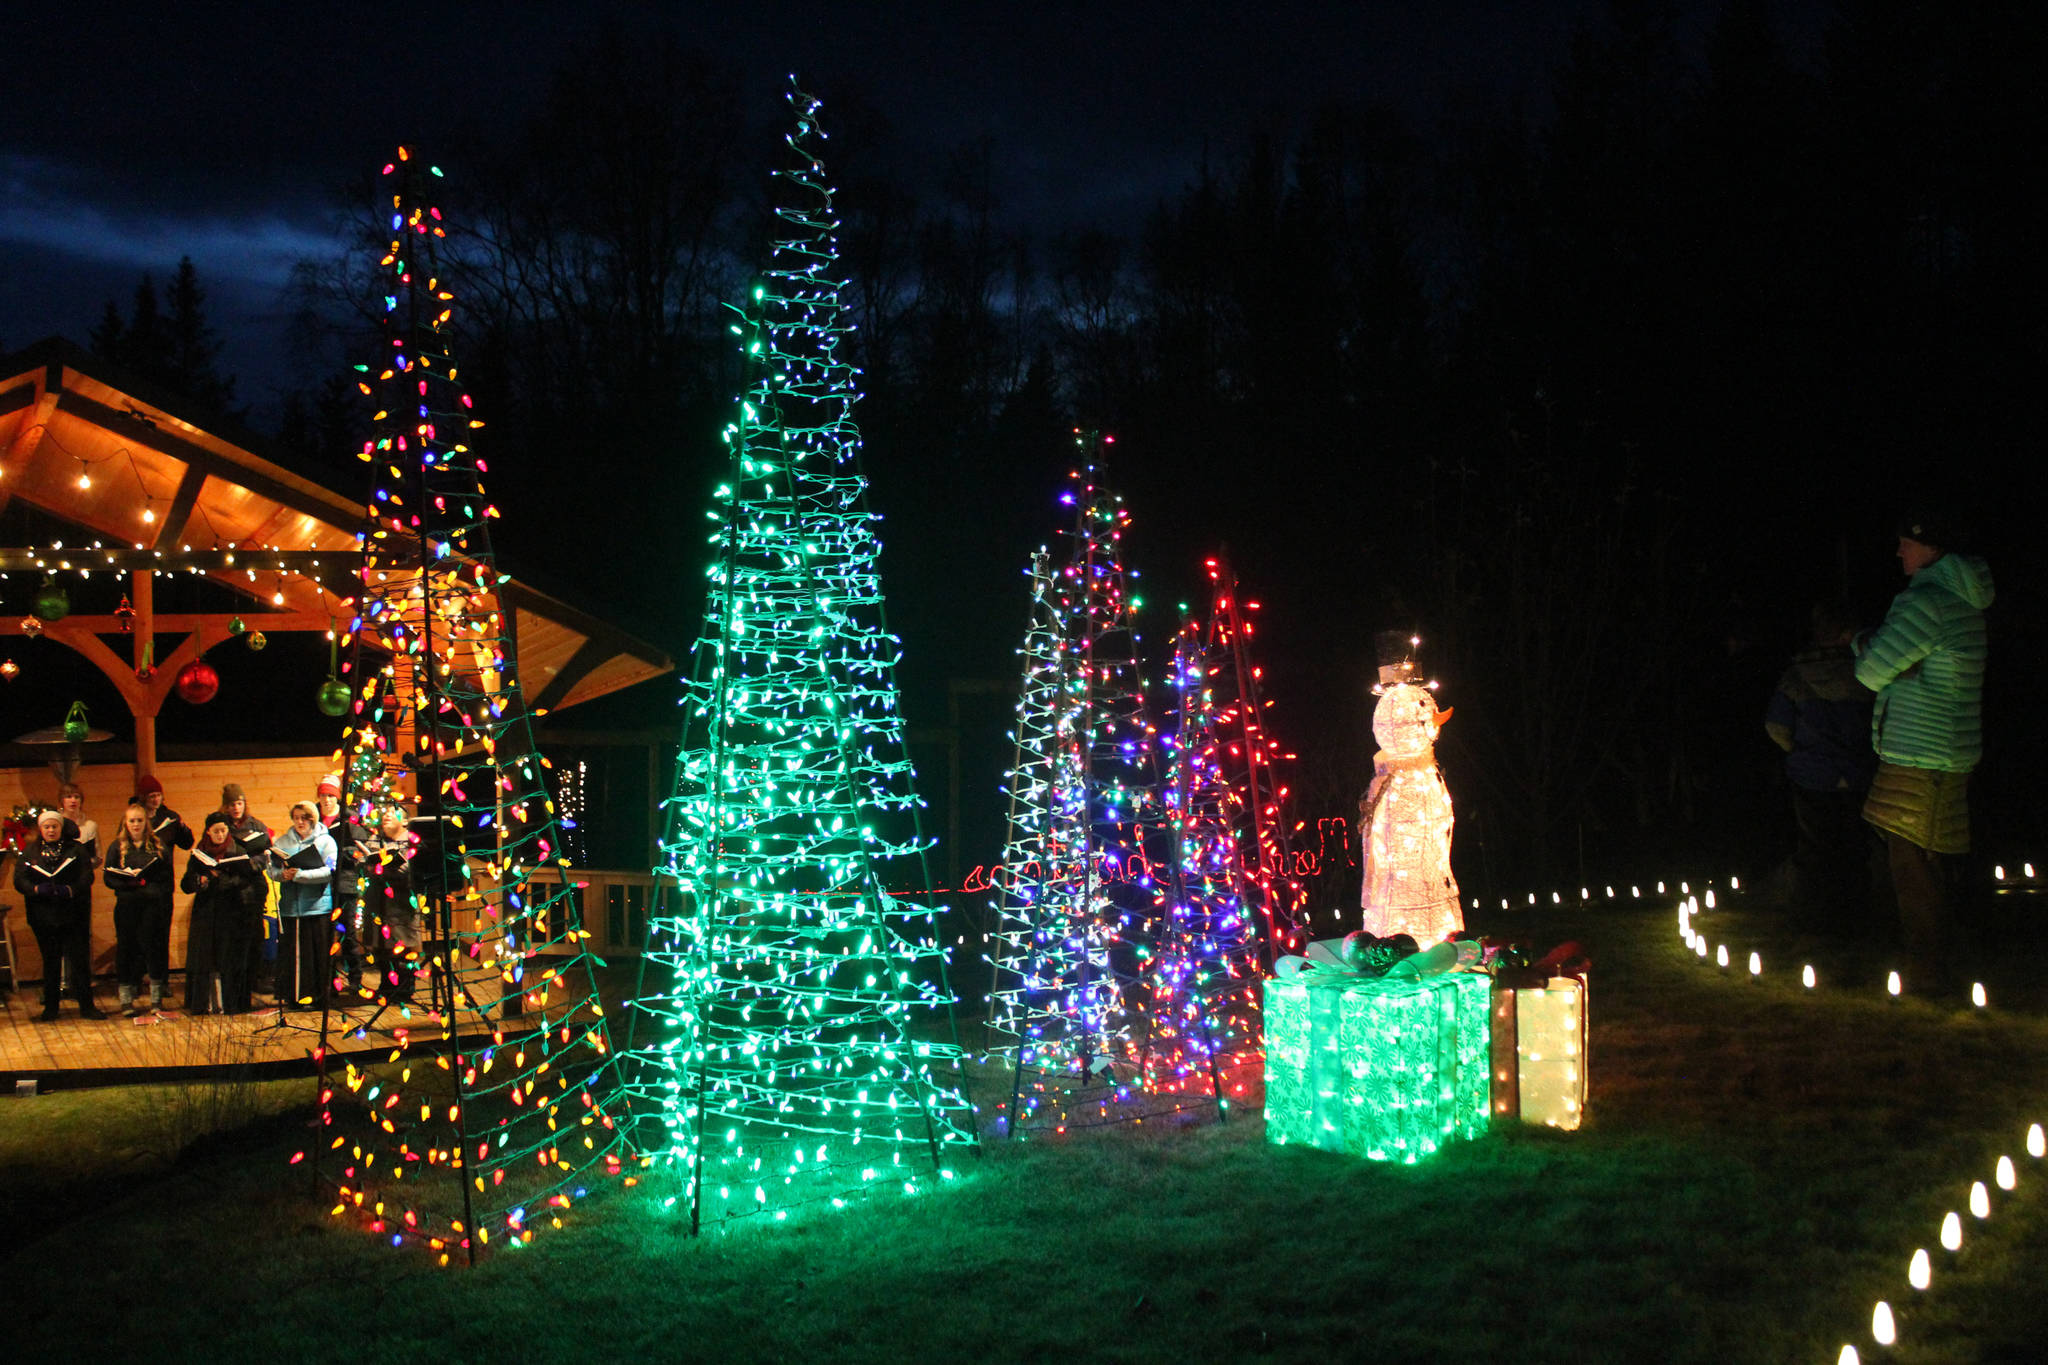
[(54, 876), (227, 920), (302, 864), (138, 872)]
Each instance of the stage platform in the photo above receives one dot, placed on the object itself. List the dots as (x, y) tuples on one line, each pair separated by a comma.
[(70, 1052)]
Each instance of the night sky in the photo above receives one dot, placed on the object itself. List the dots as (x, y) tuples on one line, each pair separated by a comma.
[(135, 136), (138, 135)]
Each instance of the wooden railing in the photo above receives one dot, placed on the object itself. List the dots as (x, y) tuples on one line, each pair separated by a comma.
[(614, 904)]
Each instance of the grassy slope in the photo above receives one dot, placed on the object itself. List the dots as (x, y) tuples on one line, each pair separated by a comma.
[(1758, 1165)]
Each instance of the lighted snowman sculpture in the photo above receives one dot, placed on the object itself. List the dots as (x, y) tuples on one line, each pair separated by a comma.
[(1405, 819)]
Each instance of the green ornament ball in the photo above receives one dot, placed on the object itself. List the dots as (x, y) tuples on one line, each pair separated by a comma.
[(51, 602), (333, 697)]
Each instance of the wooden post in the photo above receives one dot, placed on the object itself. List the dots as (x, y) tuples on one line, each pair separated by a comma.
[(143, 599)]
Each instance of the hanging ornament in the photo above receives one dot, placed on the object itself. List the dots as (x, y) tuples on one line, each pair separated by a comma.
[(257, 639), (76, 726), (125, 616), (31, 626), (236, 625), (146, 670), (333, 696), (9, 669), (51, 602), (197, 682)]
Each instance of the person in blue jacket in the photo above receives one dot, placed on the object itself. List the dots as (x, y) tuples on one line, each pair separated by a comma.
[(1926, 663), (302, 863), (1820, 716)]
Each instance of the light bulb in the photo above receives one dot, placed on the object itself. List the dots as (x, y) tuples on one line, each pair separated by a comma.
[(1721, 955), (1952, 1232), (1881, 1325), (149, 515), (1710, 898), (2007, 1177), (1756, 964), (1848, 1357), (1977, 996), (2037, 1141), (1806, 976), (1980, 1200), (1892, 984), (1921, 1271)]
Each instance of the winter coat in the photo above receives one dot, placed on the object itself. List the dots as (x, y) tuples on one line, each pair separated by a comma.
[(136, 875), (170, 829), (1820, 716), (389, 897), (230, 884), (252, 834), (1926, 664), (56, 878), (310, 890)]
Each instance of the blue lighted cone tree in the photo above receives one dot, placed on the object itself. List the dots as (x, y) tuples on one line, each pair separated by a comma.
[(491, 1113), (792, 1045)]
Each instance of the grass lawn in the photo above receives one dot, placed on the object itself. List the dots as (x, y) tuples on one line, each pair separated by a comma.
[(1759, 1163)]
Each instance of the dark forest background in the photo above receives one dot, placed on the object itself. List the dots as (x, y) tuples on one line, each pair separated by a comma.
[(1599, 391)]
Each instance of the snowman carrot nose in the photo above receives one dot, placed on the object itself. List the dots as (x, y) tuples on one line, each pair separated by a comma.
[(1443, 716)]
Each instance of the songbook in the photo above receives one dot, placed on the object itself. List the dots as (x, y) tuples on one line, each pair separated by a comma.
[(307, 859)]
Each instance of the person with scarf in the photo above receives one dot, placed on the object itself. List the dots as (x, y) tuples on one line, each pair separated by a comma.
[(54, 876), (138, 872), (227, 891), (302, 864)]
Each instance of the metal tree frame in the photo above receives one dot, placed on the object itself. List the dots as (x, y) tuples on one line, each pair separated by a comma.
[(438, 721), (771, 915)]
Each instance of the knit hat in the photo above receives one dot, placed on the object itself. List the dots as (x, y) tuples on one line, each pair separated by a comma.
[(149, 786), (1934, 526), (330, 785)]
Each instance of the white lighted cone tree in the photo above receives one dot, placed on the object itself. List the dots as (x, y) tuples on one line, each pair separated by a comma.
[(1076, 920), (491, 1114), (1033, 945), (793, 1046)]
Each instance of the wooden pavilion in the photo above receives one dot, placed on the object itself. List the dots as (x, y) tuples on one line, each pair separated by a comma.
[(142, 490)]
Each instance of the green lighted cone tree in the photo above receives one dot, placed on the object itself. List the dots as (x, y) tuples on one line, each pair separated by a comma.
[(789, 1053), (490, 1115)]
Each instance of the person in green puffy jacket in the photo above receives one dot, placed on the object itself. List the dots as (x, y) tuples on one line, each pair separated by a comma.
[(1926, 664)]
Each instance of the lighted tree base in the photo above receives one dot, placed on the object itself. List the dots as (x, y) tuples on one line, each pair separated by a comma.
[(775, 1175), (1387, 1070)]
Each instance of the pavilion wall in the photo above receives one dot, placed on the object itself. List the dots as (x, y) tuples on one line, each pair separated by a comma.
[(192, 788)]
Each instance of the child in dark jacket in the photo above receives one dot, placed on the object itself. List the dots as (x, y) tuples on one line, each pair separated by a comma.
[(1820, 717)]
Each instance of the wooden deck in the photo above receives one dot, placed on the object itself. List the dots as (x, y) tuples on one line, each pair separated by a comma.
[(71, 1052)]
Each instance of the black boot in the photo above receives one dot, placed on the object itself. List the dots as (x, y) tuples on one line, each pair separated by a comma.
[(50, 999), (87, 1009)]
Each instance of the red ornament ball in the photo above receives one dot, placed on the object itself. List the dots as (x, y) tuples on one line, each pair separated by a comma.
[(197, 682)]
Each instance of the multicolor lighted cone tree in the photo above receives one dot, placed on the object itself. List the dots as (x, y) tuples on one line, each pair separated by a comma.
[(793, 1004), (491, 1115), (1067, 959), (1203, 978), (1252, 759)]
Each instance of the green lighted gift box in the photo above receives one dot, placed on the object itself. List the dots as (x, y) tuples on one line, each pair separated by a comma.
[(1385, 1069)]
